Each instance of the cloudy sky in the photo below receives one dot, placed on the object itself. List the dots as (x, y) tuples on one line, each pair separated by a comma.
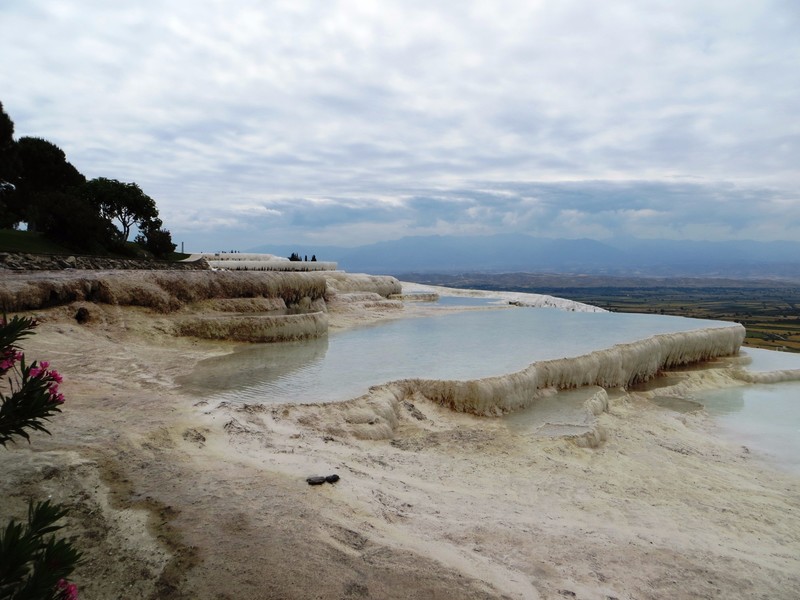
[(348, 122)]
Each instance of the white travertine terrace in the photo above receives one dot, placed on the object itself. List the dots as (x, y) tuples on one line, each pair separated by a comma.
[(235, 261), (615, 367), (518, 298), (767, 377)]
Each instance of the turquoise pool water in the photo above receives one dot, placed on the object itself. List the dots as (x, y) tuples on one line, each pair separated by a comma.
[(763, 417), (466, 345), (758, 360)]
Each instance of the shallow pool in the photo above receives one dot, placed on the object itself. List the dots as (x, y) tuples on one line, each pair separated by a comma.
[(760, 360), (764, 417), (465, 345)]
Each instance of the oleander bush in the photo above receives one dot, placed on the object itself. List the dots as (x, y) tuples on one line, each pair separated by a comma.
[(34, 562)]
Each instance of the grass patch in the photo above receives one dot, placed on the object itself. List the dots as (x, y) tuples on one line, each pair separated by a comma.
[(29, 242)]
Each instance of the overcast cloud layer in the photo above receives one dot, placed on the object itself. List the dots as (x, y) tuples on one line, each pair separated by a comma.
[(348, 122)]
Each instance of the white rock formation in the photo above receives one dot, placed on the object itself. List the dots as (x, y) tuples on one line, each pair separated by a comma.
[(615, 367), (234, 261), (518, 298)]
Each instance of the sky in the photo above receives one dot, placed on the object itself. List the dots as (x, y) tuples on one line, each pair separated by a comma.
[(349, 122)]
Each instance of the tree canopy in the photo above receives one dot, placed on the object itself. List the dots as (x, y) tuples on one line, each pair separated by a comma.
[(44, 170), (6, 128), (39, 187), (125, 203), (6, 146), (9, 166)]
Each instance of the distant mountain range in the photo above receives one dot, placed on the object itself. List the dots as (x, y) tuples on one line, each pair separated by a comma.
[(516, 252)]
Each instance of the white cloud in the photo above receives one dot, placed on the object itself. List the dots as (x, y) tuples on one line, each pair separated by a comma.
[(209, 106)]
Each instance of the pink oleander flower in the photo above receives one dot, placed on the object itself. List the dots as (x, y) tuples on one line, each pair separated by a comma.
[(41, 370), (9, 358), (69, 591), (50, 377), (55, 395)]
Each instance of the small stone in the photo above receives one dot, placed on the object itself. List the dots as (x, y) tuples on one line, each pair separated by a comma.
[(320, 479), (82, 316)]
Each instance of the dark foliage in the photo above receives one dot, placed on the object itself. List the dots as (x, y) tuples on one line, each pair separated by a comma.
[(69, 220), (38, 186), (9, 169), (44, 170), (34, 564), (34, 396), (124, 203), (156, 240)]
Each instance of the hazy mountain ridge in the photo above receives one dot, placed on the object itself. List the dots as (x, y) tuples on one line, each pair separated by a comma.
[(516, 252)]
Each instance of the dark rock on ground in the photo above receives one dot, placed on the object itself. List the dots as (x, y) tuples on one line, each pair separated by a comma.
[(320, 479)]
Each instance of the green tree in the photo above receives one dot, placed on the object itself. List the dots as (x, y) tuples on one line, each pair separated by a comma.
[(124, 203), (7, 172), (6, 128), (9, 169), (156, 240), (69, 220), (40, 187), (43, 170)]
